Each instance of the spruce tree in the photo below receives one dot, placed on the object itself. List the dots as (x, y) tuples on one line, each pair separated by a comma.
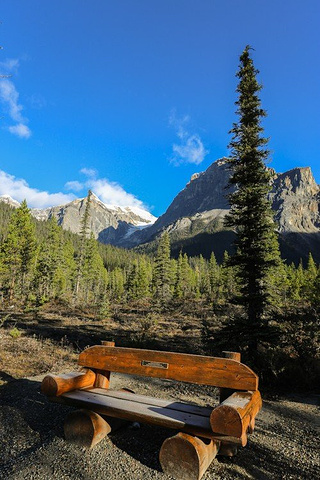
[(214, 277), (84, 232), (94, 275), (162, 270), (178, 292), (256, 244), (310, 278), (48, 260), (18, 252)]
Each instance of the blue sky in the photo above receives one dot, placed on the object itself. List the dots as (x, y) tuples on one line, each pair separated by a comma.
[(130, 98)]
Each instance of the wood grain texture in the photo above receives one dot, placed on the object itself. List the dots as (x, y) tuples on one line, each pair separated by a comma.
[(185, 457), (224, 393), (234, 415), (85, 428), (128, 409), (102, 379), (55, 385), (220, 372), (156, 402)]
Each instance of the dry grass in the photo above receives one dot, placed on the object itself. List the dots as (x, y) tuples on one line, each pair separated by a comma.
[(25, 356)]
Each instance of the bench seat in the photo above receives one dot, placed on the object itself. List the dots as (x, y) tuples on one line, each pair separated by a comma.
[(203, 432), (129, 406)]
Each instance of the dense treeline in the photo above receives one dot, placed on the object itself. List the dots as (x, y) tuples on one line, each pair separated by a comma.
[(40, 262)]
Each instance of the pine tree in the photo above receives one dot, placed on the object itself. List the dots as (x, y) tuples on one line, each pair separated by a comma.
[(310, 278), (296, 281), (94, 275), (18, 252), (178, 280), (143, 279), (162, 269), (64, 276), (214, 277), (316, 297), (116, 283), (227, 280), (257, 250), (84, 232), (48, 260)]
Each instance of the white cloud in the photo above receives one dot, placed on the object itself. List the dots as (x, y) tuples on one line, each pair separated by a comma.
[(89, 172), (21, 130), (19, 189), (9, 66), (191, 148), (112, 193), (74, 186), (9, 96), (109, 192)]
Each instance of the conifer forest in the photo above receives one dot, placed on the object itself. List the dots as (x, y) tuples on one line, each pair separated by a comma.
[(42, 264), (253, 301)]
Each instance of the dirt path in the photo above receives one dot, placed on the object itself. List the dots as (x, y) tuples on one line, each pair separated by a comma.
[(285, 444)]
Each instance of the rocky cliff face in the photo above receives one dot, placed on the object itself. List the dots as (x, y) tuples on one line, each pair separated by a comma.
[(9, 201), (201, 206), (195, 217), (109, 223), (295, 198)]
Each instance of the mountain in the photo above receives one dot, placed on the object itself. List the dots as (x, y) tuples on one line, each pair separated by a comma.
[(109, 223), (194, 219), (199, 207), (9, 201)]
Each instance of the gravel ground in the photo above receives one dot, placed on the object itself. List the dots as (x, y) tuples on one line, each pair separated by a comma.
[(284, 445)]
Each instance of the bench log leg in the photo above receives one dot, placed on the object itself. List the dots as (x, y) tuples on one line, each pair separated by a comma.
[(85, 428), (185, 457)]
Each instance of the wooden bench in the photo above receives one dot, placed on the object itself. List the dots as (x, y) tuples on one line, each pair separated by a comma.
[(203, 431)]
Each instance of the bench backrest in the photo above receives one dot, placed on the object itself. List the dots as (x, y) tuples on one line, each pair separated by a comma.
[(202, 370)]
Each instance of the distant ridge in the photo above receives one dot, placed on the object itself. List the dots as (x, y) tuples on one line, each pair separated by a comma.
[(195, 217), (109, 223)]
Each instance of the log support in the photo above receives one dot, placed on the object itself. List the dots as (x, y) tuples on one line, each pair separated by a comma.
[(56, 385), (235, 416), (185, 457), (85, 428)]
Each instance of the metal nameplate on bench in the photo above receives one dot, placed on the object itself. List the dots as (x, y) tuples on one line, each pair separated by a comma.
[(146, 363)]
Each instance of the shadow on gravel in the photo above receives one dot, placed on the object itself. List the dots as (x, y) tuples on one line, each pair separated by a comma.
[(29, 421), (143, 444), (263, 463), (23, 396), (287, 411)]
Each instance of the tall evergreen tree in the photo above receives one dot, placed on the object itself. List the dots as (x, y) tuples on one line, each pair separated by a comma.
[(257, 250), (84, 233), (93, 279), (18, 252), (178, 291), (48, 260), (162, 269)]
